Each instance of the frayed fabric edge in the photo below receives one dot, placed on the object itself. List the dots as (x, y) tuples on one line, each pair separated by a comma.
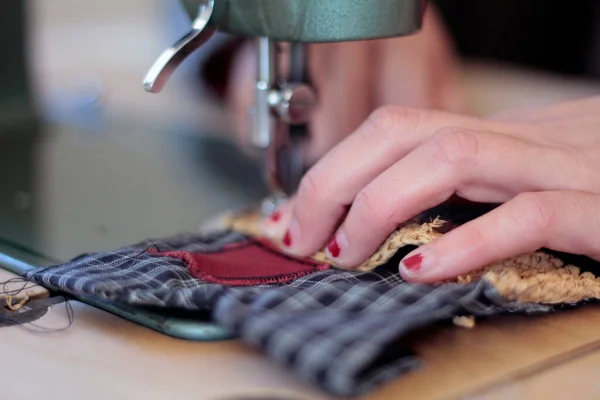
[(535, 277)]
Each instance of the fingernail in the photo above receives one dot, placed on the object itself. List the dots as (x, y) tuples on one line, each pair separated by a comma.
[(272, 225), (287, 239), (292, 235), (334, 248), (417, 262), (276, 216), (337, 245), (413, 263)]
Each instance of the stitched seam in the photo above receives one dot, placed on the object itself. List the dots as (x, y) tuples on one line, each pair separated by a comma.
[(185, 257), (254, 281)]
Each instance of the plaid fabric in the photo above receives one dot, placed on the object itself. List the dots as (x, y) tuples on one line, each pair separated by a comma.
[(337, 329)]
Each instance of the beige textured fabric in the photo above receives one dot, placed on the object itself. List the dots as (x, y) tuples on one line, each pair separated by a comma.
[(14, 303), (20, 295), (534, 278), (467, 322), (410, 234), (539, 278)]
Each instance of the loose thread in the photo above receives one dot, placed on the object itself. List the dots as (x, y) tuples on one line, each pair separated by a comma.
[(35, 328), (28, 283), (16, 307), (11, 295), (15, 292)]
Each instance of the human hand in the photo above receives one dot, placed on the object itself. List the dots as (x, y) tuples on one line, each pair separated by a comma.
[(352, 79), (542, 165)]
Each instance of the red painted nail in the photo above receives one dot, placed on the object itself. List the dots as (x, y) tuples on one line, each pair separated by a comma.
[(413, 263), (334, 248), (287, 239), (276, 216)]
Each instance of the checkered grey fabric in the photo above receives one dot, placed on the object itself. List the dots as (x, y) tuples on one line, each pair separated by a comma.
[(337, 329)]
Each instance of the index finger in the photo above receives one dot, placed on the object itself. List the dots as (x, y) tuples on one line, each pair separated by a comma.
[(332, 184)]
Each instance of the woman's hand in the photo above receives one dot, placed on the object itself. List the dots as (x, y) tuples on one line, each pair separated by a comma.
[(542, 164), (352, 79)]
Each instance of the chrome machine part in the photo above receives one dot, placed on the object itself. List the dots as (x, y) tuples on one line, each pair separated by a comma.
[(277, 103), (280, 104), (171, 58)]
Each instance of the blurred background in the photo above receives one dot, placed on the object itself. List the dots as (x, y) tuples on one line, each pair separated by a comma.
[(90, 161)]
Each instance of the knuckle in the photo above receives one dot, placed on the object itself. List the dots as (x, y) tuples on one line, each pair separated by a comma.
[(456, 146), (534, 210), (308, 188), (385, 122), (477, 237), (364, 202), (588, 174), (365, 207), (370, 209)]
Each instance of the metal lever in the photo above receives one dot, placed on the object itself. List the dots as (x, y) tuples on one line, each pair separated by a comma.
[(170, 59), (281, 109), (293, 103)]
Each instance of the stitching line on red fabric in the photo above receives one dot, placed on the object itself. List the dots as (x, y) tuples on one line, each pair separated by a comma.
[(186, 257)]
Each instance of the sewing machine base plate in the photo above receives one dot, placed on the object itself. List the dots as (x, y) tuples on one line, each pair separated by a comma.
[(188, 326)]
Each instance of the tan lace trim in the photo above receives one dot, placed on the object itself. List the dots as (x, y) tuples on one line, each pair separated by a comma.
[(539, 278), (534, 278), (410, 234)]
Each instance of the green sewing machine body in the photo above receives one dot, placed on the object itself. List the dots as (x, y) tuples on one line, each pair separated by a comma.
[(314, 21)]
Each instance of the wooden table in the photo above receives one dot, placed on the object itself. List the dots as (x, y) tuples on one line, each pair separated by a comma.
[(102, 356)]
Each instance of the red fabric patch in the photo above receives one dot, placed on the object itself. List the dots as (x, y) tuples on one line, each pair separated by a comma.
[(245, 264)]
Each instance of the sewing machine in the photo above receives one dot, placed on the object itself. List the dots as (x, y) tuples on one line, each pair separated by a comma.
[(283, 102)]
